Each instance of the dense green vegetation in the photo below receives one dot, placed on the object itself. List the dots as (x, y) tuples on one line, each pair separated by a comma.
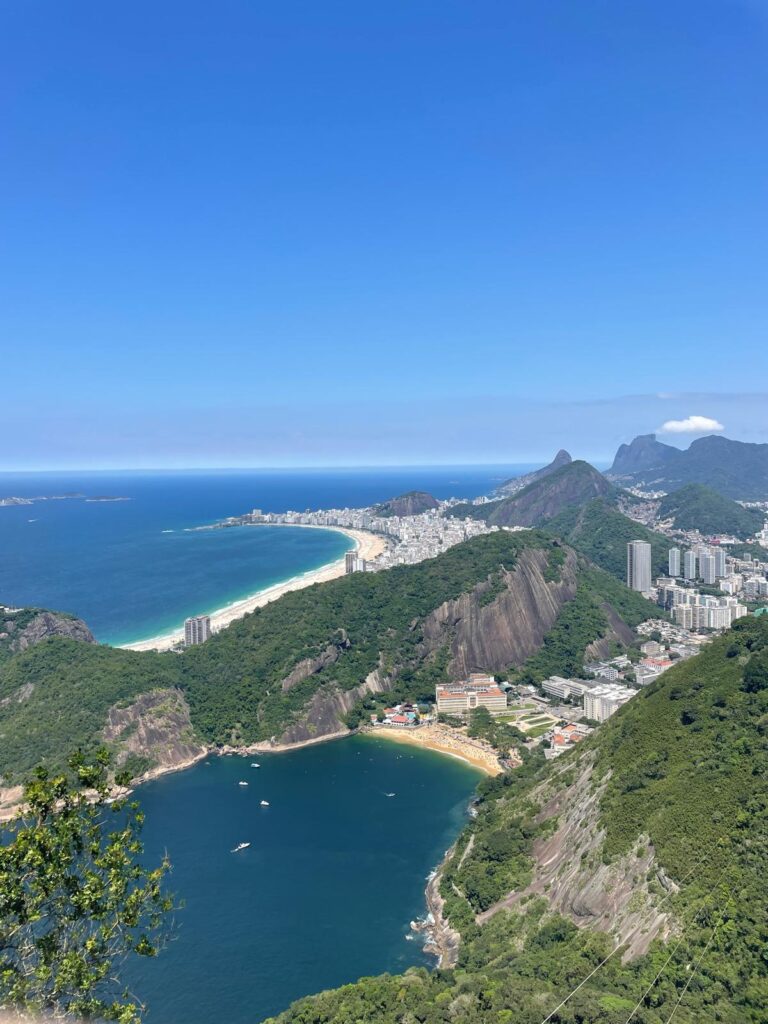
[(573, 484), (684, 764), (54, 697), (58, 693), (695, 507), (601, 532), (75, 899), (502, 736)]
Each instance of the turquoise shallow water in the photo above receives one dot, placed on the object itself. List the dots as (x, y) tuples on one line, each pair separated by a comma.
[(326, 892), (132, 570)]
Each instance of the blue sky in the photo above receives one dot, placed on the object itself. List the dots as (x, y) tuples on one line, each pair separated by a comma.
[(298, 233)]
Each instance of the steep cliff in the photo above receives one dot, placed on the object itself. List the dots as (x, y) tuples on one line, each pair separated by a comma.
[(492, 636), (26, 627), (154, 733)]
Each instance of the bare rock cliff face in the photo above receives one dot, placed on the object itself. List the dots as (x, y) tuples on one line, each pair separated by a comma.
[(324, 715), (491, 637), (618, 631), (570, 873), (311, 666), (43, 626), (155, 726)]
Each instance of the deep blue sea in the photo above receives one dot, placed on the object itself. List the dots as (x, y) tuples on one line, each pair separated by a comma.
[(324, 895), (131, 570), (336, 869)]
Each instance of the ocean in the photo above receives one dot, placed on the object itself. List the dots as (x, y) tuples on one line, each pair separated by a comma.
[(336, 868), (132, 570), (325, 893)]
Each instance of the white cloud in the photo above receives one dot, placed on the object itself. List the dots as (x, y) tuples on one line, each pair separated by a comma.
[(692, 425)]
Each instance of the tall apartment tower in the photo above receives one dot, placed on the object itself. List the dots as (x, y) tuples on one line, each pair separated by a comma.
[(197, 629), (720, 569), (707, 569), (350, 561), (639, 565), (674, 561), (689, 565)]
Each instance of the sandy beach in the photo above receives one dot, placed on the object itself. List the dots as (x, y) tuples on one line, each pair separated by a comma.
[(446, 741), (367, 545)]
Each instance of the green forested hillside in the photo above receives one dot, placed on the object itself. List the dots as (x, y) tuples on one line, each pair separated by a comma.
[(601, 532), (573, 484), (683, 766), (55, 696), (695, 507)]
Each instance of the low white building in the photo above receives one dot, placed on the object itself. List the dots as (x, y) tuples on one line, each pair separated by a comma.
[(557, 686)]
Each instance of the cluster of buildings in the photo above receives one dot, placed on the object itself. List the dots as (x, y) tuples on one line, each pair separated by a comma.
[(479, 691), (401, 716), (562, 737), (411, 538), (599, 698), (739, 580)]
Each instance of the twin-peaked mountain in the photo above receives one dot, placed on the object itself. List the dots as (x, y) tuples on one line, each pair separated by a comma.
[(736, 469)]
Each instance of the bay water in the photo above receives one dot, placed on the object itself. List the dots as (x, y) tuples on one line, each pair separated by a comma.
[(324, 894), (137, 568)]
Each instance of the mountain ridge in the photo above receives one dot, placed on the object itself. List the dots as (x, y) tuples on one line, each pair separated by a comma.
[(736, 469), (609, 886), (292, 670)]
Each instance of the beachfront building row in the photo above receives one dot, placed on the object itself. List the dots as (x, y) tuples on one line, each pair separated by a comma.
[(479, 691)]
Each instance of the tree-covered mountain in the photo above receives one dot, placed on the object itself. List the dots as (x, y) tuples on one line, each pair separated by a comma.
[(600, 532), (293, 669), (696, 507), (413, 503), (573, 484), (517, 483), (736, 469), (625, 882)]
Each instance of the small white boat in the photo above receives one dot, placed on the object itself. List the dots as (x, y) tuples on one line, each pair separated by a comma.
[(265, 803), (239, 847), (390, 794), (254, 765), (242, 783)]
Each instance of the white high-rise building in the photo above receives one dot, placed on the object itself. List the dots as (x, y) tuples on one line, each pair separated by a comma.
[(720, 569), (707, 569), (197, 629), (674, 561), (639, 565), (689, 565)]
